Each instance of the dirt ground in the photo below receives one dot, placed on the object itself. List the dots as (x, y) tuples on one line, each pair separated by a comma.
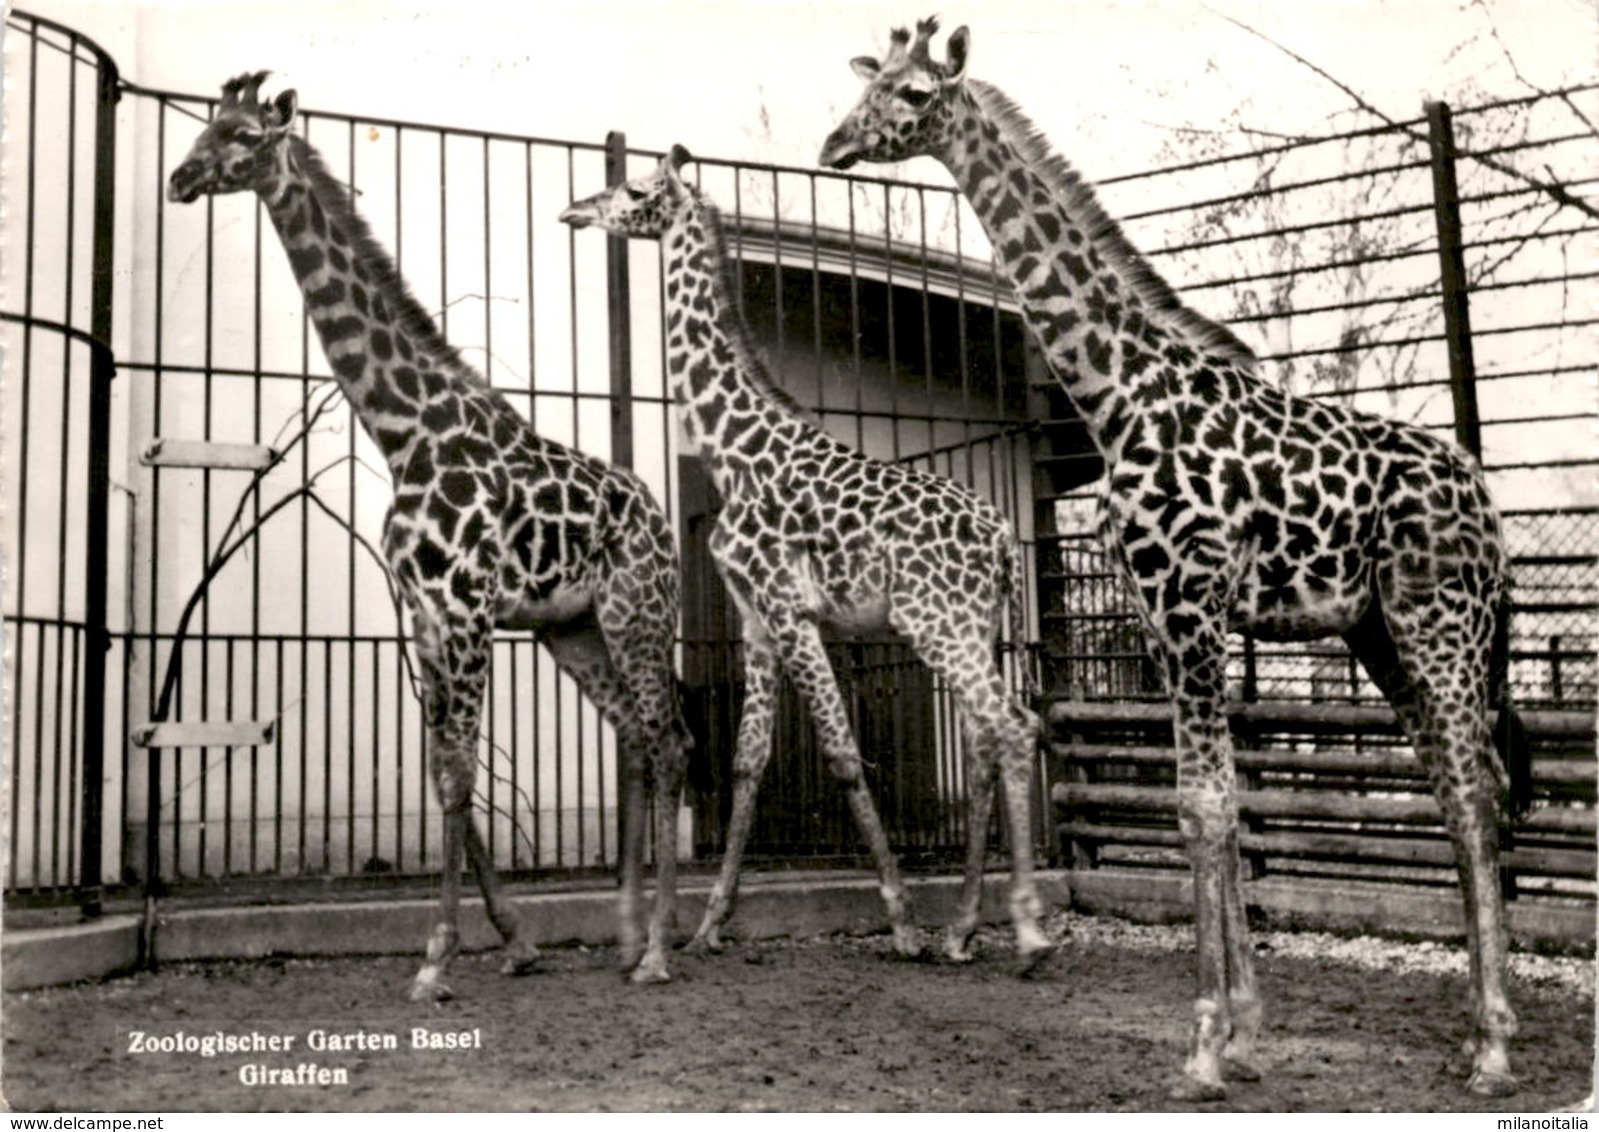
[(825, 1024)]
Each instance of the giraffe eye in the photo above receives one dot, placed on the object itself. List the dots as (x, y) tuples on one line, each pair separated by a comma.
[(914, 97), (634, 193)]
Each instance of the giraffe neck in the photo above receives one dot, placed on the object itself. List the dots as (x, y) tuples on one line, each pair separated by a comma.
[(385, 350), (1111, 329), (733, 415)]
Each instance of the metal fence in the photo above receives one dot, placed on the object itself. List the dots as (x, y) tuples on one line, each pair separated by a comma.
[(253, 591), (1324, 253), (876, 306)]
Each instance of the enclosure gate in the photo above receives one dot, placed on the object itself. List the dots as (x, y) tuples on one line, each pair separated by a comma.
[(876, 305)]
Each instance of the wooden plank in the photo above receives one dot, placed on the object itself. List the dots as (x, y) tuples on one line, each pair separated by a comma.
[(1529, 860), (1296, 717), (1396, 763), (171, 452), (1306, 804), (205, 733), (1388, 763)]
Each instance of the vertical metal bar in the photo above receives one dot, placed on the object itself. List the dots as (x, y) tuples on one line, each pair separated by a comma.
[(256, 394), (63, 524), (351, 601), (227, 755), (1452, 274), (97, 639), (153, 756), (376, 744), (20, 554), (620, 314), (532, 320)]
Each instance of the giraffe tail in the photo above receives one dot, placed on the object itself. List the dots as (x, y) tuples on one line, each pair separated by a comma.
[(1510, 734)]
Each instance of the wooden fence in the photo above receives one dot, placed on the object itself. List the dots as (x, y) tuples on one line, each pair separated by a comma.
[(1328, 793)]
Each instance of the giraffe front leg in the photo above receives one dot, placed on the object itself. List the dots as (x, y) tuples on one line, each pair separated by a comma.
[(445, 942), (1240, 1056), (754, 752), (454, 669), (1201, 820), (1207, 816)]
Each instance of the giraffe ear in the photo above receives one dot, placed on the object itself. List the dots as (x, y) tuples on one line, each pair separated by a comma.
[(281, 110), (866, 67), (960, 42)]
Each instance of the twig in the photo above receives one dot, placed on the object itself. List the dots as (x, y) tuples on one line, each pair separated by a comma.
[(1555, 191)]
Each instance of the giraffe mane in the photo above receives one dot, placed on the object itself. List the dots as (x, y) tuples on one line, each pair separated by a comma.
[(386, 279), (1078, 196), (726, 289)]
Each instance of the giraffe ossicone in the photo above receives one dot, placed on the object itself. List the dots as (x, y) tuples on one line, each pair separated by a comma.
[(812, 532), (1228, 505), (492, 526)]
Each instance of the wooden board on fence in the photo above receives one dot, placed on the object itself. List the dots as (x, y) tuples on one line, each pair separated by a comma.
[(169, 452), (205, 733)]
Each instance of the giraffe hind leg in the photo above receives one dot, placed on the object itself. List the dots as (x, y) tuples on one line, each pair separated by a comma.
[(982, 780), (639, 637), (579, 649), (1001, 737), (805, 660), (1451, 746)]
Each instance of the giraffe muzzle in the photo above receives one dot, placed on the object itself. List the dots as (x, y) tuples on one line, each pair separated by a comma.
[(839, 151), (186, 183), (581, 214)]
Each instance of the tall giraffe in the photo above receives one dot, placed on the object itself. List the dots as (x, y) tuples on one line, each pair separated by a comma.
[(1229, 505), (812, 532), (492, 526)]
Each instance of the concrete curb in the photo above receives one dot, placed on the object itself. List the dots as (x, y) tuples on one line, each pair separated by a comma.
[(44, 957), (767, 908)]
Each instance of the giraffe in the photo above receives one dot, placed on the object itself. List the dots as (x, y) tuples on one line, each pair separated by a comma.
[(491, 526), (812, 532), (1227, 504)]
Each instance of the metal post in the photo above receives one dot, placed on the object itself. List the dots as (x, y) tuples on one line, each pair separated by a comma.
[(96, 635), (1452, 273), (616, 286), (620, 315)]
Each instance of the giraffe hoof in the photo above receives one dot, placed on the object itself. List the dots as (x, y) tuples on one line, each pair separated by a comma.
[(908, 945), (1033, 961), (1487, 1083), (704, 945), (1241, 1069), (1191, 1090), (649, 975), (958, 953), (523, 961), (430, 992)]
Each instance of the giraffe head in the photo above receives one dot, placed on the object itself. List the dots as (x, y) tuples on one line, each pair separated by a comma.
[(239, 146), (907, 108), (643, 207)]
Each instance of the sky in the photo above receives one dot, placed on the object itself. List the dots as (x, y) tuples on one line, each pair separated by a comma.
[(765, 80)]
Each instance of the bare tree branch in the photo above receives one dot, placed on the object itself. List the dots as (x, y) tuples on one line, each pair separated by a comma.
[(1551, 189)]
